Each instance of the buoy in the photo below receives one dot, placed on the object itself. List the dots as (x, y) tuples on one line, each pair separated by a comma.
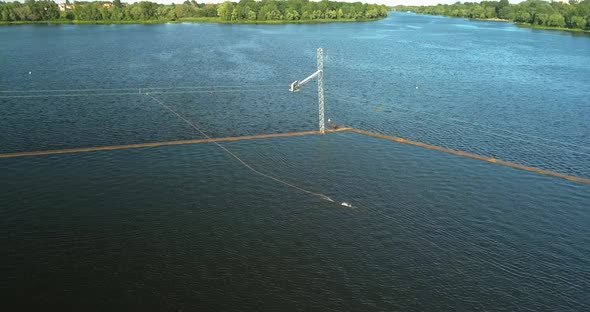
[(416, 87), (29, 73)]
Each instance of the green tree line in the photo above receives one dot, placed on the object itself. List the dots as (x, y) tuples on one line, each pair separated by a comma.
[(574, 15), (244, 10)]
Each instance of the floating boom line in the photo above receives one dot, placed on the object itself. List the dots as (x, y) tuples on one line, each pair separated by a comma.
[(295, 134), (472, 125), (166, 143), (472, 156)]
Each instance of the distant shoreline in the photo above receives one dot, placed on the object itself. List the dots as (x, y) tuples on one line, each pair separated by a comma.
[(495, 19), (526, 25), (575, 30), (196, 20), (542, 15)]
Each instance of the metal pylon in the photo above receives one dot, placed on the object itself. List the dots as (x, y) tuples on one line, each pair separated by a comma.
[(320, 55), (296, 86)]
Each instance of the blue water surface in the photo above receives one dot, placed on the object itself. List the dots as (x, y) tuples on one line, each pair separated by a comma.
[(191, 228)]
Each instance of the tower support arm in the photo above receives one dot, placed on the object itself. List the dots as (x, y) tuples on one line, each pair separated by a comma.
[(296, 85), (308, 79)]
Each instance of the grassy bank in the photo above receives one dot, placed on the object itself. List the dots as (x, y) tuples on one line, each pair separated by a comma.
[(526, 25), (534, 14), (77, 22), (492, 20), (197, 20), (576, 30), (271, 22)]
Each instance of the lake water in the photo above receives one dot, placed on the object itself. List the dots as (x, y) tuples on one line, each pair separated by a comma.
[(190, 228)]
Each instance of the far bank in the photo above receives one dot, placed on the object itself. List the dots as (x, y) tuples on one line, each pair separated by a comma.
[(196, 20), (144, 12)]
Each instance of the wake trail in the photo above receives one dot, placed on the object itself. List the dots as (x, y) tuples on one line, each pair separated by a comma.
[(245, 164)]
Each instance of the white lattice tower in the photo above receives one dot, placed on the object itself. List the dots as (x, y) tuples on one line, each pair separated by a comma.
[(320, 56)]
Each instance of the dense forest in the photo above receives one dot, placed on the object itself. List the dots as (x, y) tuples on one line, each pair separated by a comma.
[(244, 10), (574, 15)]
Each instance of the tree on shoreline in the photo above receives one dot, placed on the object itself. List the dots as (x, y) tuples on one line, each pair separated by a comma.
[(244, 10), (575, 14)]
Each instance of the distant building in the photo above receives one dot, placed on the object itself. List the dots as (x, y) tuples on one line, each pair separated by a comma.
[(63, 6)]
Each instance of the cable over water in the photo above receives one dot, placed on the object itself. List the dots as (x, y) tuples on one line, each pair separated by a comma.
[(138, 92), (143, 88), (192, 125)]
